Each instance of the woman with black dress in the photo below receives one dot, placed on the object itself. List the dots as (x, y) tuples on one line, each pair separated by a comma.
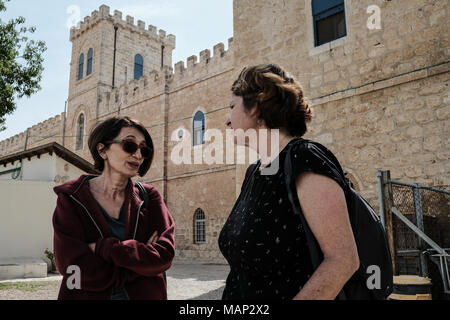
[(263, 240)]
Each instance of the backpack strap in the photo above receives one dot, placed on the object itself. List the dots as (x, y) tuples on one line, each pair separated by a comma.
[(313, 246), (142, 192), (144, 195), (290, 185)]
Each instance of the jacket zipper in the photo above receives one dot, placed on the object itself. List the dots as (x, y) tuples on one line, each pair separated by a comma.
[(87, 211), (101, 234), (134, 236), (137, 220)]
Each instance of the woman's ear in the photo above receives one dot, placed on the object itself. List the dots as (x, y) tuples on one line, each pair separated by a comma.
[(259, 97), (254, 112), (101, 151)]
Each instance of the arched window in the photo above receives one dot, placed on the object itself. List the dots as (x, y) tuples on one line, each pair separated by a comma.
[(138, 66), (80, 66), (80, 133), (329, 20), (199, 227), (199, 128), (89, 61)]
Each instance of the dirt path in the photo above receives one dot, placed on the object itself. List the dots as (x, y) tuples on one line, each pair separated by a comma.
[(185, 281)]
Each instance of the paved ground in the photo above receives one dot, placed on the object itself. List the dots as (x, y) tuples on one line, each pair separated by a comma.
[(185, 281)]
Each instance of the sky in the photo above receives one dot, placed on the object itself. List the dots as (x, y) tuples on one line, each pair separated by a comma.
[(197, 25)]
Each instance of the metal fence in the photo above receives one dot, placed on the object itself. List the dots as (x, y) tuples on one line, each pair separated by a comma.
[(417, 222)]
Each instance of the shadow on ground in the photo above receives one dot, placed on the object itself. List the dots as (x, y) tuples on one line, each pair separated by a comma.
[(211, 295), (199, 271)]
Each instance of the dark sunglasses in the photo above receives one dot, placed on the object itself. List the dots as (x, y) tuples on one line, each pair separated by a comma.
[(131, 147)]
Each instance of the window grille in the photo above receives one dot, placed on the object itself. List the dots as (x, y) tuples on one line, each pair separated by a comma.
[(80, 133), (199, 227)]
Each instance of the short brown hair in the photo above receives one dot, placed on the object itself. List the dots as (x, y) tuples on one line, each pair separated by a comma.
[(277, 95), (109, 129)]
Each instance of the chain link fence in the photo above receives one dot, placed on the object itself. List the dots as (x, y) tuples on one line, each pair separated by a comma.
[(428, 208)]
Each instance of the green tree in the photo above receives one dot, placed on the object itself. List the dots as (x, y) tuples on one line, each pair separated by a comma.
[(20, 63)]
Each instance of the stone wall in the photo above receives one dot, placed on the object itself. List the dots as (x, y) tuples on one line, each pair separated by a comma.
[(380, 97)]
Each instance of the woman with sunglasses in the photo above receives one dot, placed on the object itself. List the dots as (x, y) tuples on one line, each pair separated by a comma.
[(109, 245)]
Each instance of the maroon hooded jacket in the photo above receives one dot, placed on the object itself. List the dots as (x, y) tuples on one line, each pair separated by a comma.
[(131, 264)]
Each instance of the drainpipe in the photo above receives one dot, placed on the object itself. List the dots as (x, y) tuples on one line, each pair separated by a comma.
[(26, 140), (114, 56), (64, 125), (25, 148)]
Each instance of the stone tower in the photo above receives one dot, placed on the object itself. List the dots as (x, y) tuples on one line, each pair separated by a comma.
[(108, 52)]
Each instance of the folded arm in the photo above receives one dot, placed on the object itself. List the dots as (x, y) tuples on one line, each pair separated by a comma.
[(147, 259)]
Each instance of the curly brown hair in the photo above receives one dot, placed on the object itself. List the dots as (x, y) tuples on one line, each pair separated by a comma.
[(277, 95)]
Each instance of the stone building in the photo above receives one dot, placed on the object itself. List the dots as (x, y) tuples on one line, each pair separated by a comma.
[(376, 73)]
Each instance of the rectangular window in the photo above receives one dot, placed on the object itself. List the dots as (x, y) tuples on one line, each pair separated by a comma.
[(329, 20)]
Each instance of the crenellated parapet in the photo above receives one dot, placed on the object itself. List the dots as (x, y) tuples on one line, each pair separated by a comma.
[(39, 132), (151, 84), (157, 82), (103, 14), (204, 66)]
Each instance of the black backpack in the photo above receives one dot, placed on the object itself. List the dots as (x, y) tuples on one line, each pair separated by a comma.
[(144, 196), (370, 237)]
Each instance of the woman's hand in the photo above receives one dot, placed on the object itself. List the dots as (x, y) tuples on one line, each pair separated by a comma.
[(153, 238), (92, 246)]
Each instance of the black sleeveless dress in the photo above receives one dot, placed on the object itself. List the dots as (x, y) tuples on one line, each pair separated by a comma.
[(263, 240)]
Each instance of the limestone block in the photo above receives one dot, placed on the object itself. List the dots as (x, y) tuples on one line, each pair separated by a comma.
[(367, 66), (316, 81), (205, 56), (434, 169), (219, 49), (385, 125), (191, 61), (413, 171), (403, 119), (443, 113), (104, 11), (153, 30), (179, 67), (130, 20), (162, 34), (331, 76), (410, 147), (415, 131), (117, 15), (432, 143), (433, 101), (141, 25), (424, 116)]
